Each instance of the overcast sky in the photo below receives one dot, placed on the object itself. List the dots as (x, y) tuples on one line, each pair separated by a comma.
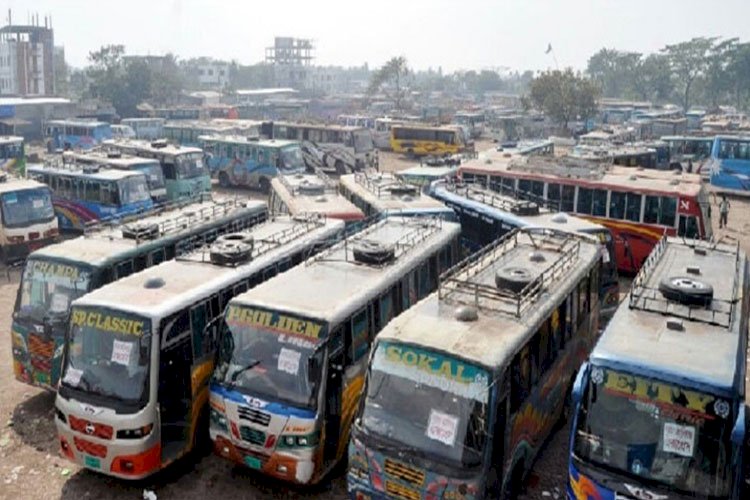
[(454, 34)]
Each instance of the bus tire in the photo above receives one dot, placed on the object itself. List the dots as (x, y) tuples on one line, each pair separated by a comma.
[(687, 290), (224, 180), (230, 253), (513, 278), (264, 185), (371, 252)]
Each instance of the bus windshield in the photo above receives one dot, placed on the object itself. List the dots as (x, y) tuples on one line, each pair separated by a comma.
[(262, 357), (133, 189), (190, 166), (657, 433), (734, 149), (48, 288), (27, 207), (108, 354), (154, 175), (429, 402), (291, 158)]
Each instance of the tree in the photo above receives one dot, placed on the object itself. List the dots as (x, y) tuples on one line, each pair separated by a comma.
[(564, 95), (689, 61), (390, 79), (652, 79), (167, 81), (614, 71), (738, 72)]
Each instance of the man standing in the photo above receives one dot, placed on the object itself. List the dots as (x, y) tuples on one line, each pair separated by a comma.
[(723, 211)]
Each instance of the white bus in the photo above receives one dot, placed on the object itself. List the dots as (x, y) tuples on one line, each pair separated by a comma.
[(146, 128), (27, 217), (294, 350), (311, 193), (140, 351), (472, 120)]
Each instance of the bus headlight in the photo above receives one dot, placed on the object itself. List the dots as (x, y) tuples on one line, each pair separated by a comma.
[(294, 441), (219, 421), (138, 433)]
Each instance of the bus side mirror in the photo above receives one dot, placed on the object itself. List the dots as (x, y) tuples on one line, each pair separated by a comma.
[(580, 383), (738, 431)]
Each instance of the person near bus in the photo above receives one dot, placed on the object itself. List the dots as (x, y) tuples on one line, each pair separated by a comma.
[(723, 211)]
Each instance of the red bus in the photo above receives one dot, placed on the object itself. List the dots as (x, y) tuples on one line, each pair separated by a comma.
[(638, 205)]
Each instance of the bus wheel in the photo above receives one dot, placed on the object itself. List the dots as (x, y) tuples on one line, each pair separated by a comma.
[(224, 180), (264, 185)]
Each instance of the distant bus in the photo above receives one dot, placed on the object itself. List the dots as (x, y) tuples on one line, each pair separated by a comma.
[(185, 174), (384, 194), (421, 140), (311, 194), (659, 408), (239, 161), (730, 162), (27, 219), (463, 389), (57, 274), (84, 194), (77, 133), (472, 120), (160, 346), (146, 128), (189, 133), (356, 121), (424, 175), (12, 154), (116, 160), (688, 149), (294, 350), (122, 132)]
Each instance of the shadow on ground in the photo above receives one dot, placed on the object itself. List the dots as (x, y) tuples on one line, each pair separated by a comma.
[(34, 422)]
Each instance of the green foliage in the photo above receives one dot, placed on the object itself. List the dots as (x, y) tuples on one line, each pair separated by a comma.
[(564, 95), (689, 61), (391, 79)]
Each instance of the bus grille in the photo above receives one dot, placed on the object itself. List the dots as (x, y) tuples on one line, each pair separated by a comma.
[(396, 490), (93, 449), (404, 472), (255, 416), (252, 436)]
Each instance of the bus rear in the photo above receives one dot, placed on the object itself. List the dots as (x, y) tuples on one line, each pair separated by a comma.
[(730, 163)]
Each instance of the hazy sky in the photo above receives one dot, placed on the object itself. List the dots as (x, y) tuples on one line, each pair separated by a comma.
[(454, 34)]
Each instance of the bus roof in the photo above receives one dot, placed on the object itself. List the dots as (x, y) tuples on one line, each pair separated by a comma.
[(194, 274), (348, 284), (163, 148), (312, 193), (142, 120), (9, 139), (505, 321), (238, 139), (11, 184), (424, 126), (103, 174), (106, 241), (78, 123), (571, 171), (106, 158), (320, 126), (724, 137), (708, 348), (387, 193)]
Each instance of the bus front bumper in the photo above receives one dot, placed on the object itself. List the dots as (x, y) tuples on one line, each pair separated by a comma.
[(287, 468)]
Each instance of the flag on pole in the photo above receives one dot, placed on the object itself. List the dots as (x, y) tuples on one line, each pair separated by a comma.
[(549, 48)]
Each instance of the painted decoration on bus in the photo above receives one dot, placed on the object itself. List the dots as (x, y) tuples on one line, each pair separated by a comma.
[(249, 317), (434, 370), (108, 322)]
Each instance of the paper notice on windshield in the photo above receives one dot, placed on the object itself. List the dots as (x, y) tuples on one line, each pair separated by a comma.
[(37, 203), (605, 255), (72, 376), (59, 302), (288, 361), (442, 427), (121, 352), (679, 439)]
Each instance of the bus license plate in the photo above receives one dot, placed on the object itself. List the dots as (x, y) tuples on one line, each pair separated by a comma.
[(252, 462), (92, 462)]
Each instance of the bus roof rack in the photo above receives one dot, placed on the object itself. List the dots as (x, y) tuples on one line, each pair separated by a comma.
[(714, 311), (478, 193), (459, 284), (382, 186), (312, 184), (559, 166)]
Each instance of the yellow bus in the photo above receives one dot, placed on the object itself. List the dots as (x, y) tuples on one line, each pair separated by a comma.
[(421, 140)]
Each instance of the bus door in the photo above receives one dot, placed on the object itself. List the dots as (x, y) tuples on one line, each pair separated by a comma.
[(175, 397), (334, 387)]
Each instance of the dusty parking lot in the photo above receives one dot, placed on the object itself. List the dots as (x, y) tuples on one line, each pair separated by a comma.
[(30, 467)]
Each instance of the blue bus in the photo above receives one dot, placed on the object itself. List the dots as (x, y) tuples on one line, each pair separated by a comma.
[(730, 162), (77, 133), (239, 161), (86, 193), (659, 407)]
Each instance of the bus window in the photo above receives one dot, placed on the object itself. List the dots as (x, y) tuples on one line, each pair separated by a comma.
[(616, 205), (599, 203), (668, 211), (633, 207), (583, 301), (198, 321), (521, 379), (124, 269), (157, 257), (688, 227), (386, 308), (584, 201), (651, 210), (557, 327), (359, 337), (546, 352), (553, 195), (568, 195)]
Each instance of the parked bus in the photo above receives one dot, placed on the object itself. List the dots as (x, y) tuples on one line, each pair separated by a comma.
[(58, 274), (659, 408), (117, 161), (421, 140), (27, 218), (82, 194), (638, 206), (12, 154), (239, 161), (77, 133), (472, 120), (381, 133), (688, 149), (188, 133), (486, 215), (463, 389), (424, 175), (185, 174), (341, 148), (385, 193), (146, 128), (122, 132), (730, 163), (311, 193), (142, 349), (294, 350)]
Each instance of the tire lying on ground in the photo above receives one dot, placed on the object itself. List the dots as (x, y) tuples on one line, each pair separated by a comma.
[(687, 290), (372, 252), (513, 278)]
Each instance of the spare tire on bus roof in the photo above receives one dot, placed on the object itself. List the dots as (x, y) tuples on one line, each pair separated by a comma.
[(230, 252), (140, 231), (513, 278), (373, 252), (235, 238), (687, 290)]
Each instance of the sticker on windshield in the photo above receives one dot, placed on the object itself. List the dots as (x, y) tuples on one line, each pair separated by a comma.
[(288, 361), (72, 376), (121, 352), (442, 427), (679, 439), (37, 203)]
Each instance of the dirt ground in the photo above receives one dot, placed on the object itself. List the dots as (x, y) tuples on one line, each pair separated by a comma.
[(30, 467)]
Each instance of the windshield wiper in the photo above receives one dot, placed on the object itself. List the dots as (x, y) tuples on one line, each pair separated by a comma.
[(245, 368)]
